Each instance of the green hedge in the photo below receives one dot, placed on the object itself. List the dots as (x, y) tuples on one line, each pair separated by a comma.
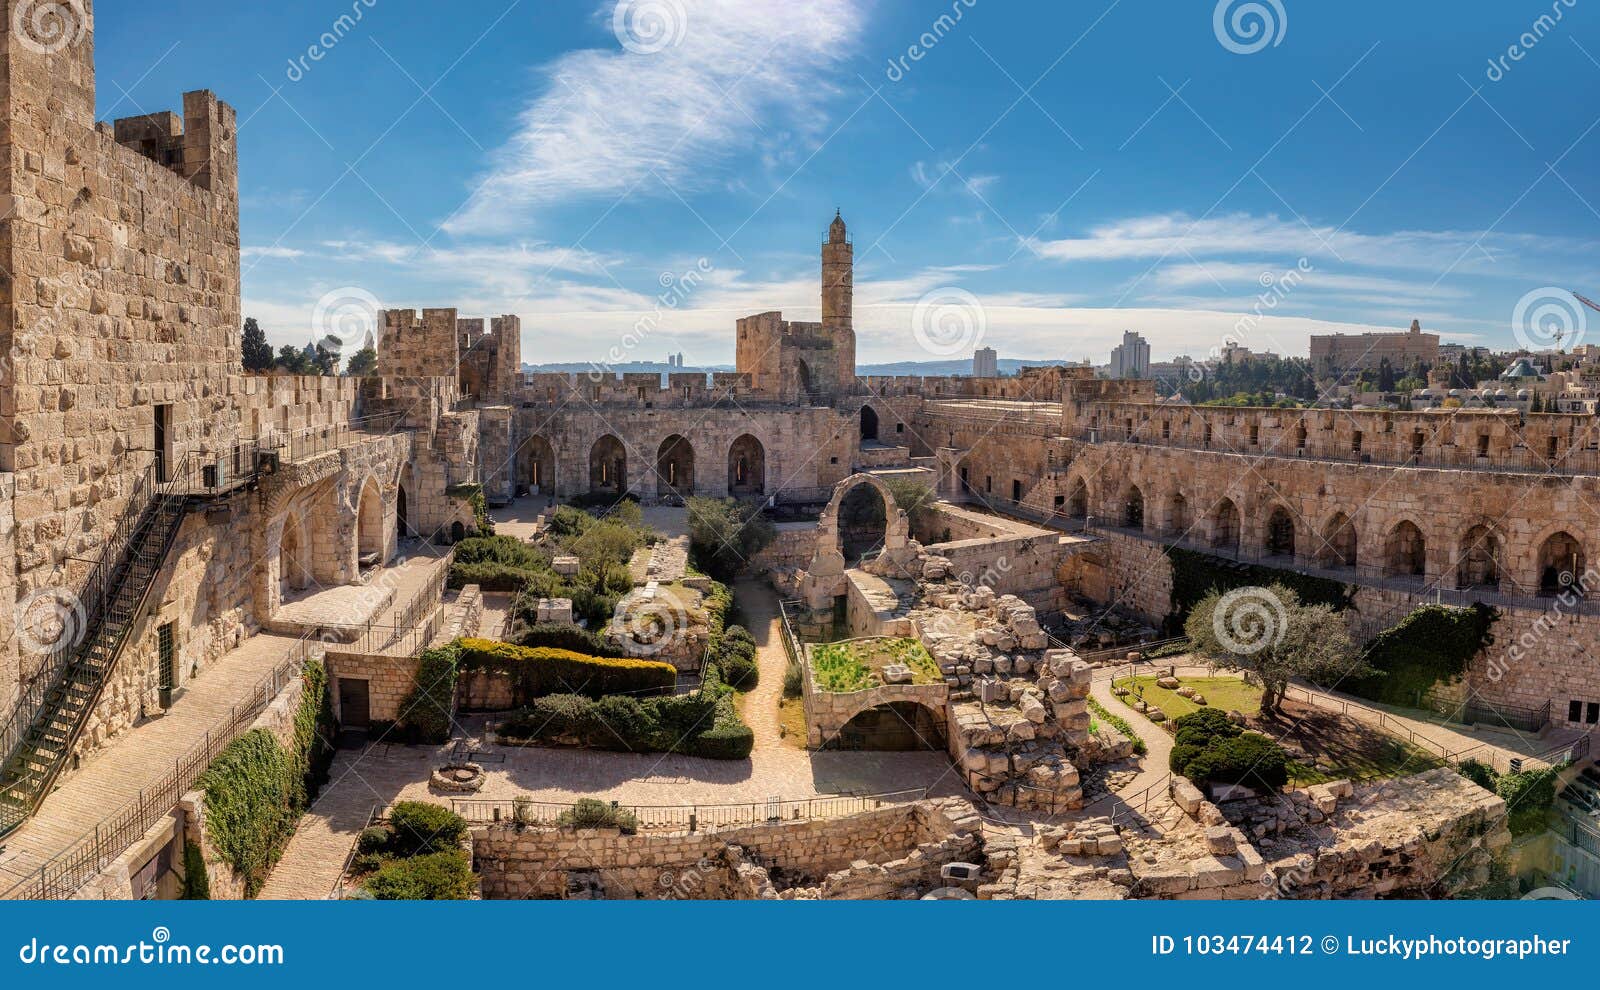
[(426, 714), (418, 828), (439, 876), (1196, 574), (561, 636), (257, 789), (539, 671), (1528, 794), (1431, 646), (735, 657), (703, 724)]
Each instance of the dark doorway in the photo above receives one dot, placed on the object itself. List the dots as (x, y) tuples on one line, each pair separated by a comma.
[(900, 726), (355, 706), (400, 523), (159, 442), (869, 423)]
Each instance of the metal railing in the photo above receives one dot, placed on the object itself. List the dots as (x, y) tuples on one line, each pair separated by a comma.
[(309, 442), (372, 636), (64, 874), (1572, 461), (687, 817)]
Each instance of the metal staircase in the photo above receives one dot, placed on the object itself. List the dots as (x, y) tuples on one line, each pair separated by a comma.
[(47, 722)]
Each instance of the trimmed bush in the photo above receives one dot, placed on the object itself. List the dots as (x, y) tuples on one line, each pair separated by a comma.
[(704, 724), (440, 876), (1528, 795), (592, 813), (419, 828), (561, 636), (1479, 773), (735, 656), (1250, 759), (491, 576), (539, 671)]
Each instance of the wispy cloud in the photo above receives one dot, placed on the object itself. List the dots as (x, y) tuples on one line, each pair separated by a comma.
[(613, 121), (1179, 237)]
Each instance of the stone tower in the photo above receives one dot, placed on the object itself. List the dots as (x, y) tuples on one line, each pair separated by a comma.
[(838, 301)]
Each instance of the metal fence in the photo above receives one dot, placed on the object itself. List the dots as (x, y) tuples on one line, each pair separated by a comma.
[(686, 817), (64, 874), (301, 444)]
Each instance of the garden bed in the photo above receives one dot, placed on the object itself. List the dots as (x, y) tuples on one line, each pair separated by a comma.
[(859, 664)]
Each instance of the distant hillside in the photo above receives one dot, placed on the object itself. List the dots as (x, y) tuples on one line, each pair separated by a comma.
[(627, 368)]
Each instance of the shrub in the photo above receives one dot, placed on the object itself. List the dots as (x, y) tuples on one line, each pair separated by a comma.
[(1203, 725), (373, 839), (561, 636), (1528, 795), (491, 576), (440, 876), (538, 671), (591, 813), (420, 828), (1479, 773), (704, 724), (735, 657), (1250, 759)]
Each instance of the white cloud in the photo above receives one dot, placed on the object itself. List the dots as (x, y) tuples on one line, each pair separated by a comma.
[(283, 253), (1177, 236), (612, 121)]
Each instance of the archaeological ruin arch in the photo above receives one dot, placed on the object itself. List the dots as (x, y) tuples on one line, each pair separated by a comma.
[(747, 467), (1405, 551), (863, 521), (675, 467), (891, 726), (824, 576), (608, 466)]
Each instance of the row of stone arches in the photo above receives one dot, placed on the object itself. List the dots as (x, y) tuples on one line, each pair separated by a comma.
[(1477, 559), (675, 467)]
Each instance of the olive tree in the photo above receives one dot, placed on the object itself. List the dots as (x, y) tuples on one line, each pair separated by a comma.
[(1271, 633)]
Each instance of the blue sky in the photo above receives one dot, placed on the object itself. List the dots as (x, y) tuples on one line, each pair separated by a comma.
[(1045, 175)]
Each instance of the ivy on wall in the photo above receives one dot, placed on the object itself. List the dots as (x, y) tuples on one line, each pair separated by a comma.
[(1195, 575), (1432, 645), (425, 714), (256, 788)]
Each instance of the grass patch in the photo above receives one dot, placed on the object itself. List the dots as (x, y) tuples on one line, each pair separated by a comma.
[(1223, 693), (857, 665), (1116, 722)]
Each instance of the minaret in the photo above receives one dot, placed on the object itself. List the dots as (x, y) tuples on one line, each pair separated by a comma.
[(838, 301)]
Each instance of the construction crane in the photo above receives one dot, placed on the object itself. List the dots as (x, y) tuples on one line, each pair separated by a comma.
[(1587, 302)]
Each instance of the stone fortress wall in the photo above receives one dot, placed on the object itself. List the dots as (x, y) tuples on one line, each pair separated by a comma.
[(120, 333)]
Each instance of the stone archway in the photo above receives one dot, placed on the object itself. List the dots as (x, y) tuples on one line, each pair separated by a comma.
[(608, 466), (1480, 559), (536, 466), (675, 467), (369, 522), (747, 467), (1132, 515), (892, 726), (1405, 551), (1225, 526), (1561, 564), (1280, 541), (294, 558), (1338, 546)]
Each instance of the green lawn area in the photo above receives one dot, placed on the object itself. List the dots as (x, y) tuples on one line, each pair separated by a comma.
[(857, 665), (1348, 748), (1223, 693)]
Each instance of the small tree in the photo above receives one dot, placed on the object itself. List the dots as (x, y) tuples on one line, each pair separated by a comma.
[(916, 498), (1271, 633), (292, 360), (725, 533), (257, 352), (362, 364)]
